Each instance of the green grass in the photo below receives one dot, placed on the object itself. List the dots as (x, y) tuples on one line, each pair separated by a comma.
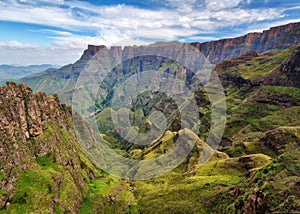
[(285, 117), (178, 192), (284, 92), (264, 64), (107, 195), (55, 174), (46, 161), (265, 108), (33, 192)]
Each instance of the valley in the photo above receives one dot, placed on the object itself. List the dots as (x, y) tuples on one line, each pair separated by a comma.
[(52, 154)]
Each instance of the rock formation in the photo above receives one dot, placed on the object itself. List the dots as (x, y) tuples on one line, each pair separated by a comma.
[(37, 141)]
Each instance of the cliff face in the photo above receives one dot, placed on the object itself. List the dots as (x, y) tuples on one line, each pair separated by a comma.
[(39, 154), (63, 80), (281, 37), (91, 51), (23, 114)]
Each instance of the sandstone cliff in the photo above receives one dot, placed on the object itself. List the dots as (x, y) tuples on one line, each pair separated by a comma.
[(280, 38)]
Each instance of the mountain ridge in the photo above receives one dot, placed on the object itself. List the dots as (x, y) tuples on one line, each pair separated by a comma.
[(217, 51), (37, 138), (62, 81), (255, 170)]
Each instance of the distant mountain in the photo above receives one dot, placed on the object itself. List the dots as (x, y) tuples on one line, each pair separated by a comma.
[(255, 170), (63, 80), (277, 38), (17, 72)]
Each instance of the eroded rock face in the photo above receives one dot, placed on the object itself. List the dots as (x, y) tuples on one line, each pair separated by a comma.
[(23, 113), (255, 203), (34, 126), (281, 37), (91, 51)]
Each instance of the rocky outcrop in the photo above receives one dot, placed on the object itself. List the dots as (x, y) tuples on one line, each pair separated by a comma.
[(228, 69), (91, 51), (37, 141), (255, 203), (24, 114), (236, 61)]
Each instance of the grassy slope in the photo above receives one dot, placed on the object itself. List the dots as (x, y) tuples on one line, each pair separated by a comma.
[(253, 113), (256, 167), (262, 119), (56, 180)]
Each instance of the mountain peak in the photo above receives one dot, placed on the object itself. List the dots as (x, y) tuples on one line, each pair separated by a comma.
[(91, 51)]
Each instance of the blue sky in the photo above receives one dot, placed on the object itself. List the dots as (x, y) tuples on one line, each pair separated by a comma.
[(57, 31)]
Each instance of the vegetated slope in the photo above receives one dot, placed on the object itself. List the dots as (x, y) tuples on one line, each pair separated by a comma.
[(63, 80), (257, 170), (42, 167), (261, 137), (9, 73), (263, 99)]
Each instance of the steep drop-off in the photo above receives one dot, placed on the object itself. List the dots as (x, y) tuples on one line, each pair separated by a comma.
[(255, 171), (62, 81), (42, 166)]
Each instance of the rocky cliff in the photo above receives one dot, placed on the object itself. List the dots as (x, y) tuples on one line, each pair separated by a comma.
[(257, 170), (63, 80), (42, 166), (280, 37)]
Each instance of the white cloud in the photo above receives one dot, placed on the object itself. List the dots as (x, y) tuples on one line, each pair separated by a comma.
[(183, 6), (15, 45), (264, 26), (13, 52), (123, 19), (116, 23), (38, 2), (203, 38), (56, 32), (221, 4)]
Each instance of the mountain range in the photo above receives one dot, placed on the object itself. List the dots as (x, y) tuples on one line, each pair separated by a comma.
[(63, 80), (46, 168), (17, 72)]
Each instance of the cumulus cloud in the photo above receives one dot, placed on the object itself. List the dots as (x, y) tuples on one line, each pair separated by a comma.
[(15, 45), (180, 19), (131, 21), (221, 4)]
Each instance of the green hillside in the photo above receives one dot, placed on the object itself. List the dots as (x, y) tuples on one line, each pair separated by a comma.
[(255, 170)]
